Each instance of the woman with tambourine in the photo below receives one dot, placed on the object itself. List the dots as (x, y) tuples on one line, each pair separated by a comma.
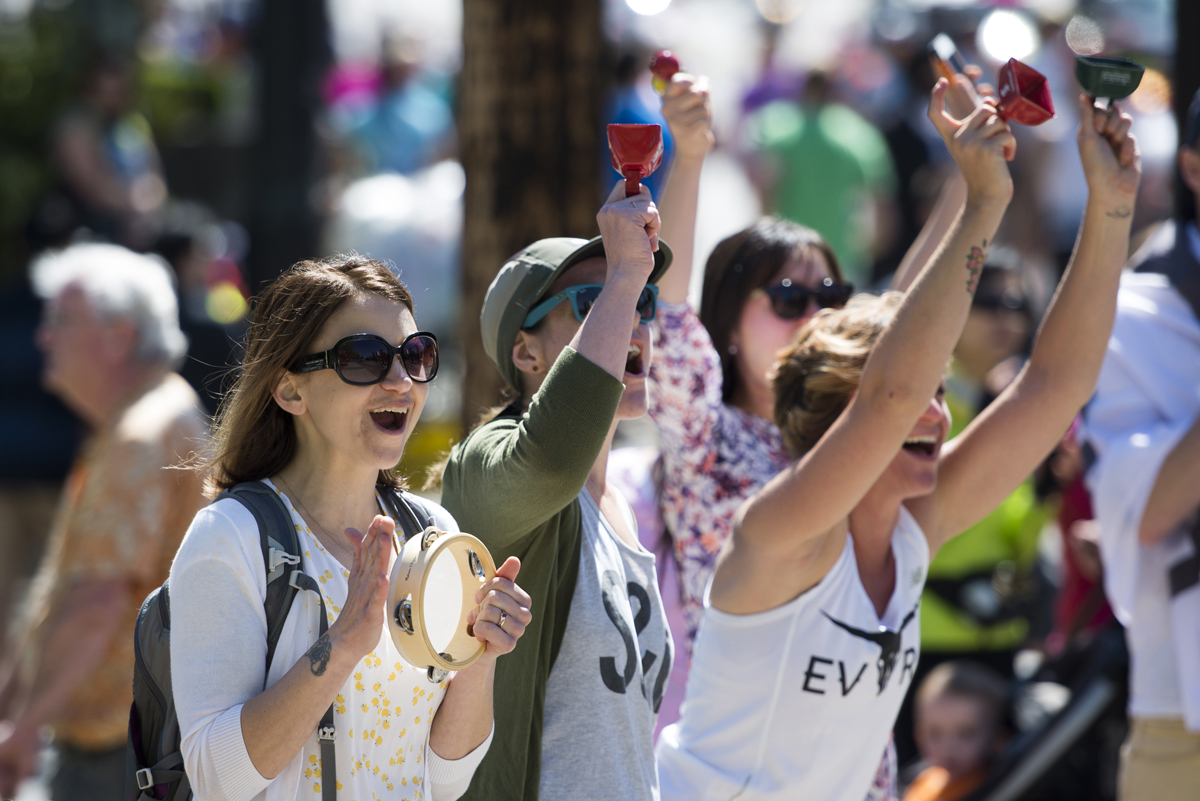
[(810, 637), (334, 380)]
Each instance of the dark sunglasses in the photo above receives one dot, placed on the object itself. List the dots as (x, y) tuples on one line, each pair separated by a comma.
[(365, 359), (583, 296), (790, 301), (1007, 300)]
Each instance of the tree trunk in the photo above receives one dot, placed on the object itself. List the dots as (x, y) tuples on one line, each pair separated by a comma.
[(532, 89), (291, 51)]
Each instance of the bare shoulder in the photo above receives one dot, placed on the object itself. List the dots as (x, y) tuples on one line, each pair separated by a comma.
[(750, 579)]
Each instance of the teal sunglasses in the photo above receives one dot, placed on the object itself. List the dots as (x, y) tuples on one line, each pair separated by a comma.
[(583, 296)]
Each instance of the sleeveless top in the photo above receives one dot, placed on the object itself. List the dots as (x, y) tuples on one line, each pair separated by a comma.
[(799, 701)]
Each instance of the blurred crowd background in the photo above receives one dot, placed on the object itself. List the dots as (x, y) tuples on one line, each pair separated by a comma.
[(235, 137)]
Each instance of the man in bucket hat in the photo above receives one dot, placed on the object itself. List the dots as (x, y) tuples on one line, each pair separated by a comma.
[(566, 322)]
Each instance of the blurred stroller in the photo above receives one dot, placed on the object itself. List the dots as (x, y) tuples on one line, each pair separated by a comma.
[(1070, 718)]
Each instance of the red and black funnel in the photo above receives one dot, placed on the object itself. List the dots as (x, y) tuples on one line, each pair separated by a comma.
[(636, 151)]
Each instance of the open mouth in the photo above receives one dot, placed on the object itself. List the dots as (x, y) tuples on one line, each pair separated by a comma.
[(392, 420), (634, 364), (922, 446)]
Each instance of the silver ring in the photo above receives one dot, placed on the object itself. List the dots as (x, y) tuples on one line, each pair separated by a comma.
[(503, 617)]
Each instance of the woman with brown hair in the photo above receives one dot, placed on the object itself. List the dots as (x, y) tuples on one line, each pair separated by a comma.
[(333, 383), (711, 395), (808, 640)]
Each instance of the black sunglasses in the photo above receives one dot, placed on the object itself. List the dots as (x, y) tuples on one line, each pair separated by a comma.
[(1008, 300), (790, 301), (365, 359)]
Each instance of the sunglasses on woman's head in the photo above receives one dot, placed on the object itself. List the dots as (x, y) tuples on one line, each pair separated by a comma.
[(583, 296), (790, 301), (365, 359)]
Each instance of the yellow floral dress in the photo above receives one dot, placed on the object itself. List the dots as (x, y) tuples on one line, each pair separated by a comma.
[(384, 711)]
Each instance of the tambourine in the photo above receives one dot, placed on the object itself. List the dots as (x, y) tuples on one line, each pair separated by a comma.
[(433, 588)]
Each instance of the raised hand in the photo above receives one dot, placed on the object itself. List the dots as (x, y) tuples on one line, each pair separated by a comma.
[(360, 622), (629, 226), (503, 611), (688, 110), (1110, 157), (965, 93), (980, 144)]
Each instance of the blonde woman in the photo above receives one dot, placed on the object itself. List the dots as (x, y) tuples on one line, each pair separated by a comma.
[(810, 637)]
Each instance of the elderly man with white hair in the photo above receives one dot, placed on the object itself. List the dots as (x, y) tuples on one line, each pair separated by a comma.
[(111, 339)]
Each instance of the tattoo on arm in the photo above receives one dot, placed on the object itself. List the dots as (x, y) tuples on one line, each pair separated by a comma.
[(975, 261), (318, 655), (1120, 212)]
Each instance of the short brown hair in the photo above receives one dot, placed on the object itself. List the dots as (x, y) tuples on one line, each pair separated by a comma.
[(966, 679), (817, 374), (742, 263), (253, 437)]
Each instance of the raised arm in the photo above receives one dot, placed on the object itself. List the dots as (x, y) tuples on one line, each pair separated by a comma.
[(961, 98), (688, 110), (812, 497), (528, 470), (1000, 447), (629, 227), (946, 211), (512, 475)]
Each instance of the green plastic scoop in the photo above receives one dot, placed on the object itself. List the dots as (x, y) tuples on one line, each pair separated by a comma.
[(1114, 78)]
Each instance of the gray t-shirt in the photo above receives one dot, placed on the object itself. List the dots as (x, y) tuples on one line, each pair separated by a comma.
[(604, 691)]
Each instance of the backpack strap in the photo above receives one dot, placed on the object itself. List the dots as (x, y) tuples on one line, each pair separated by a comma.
[(280, 550), (412, 519), (326, 731), (281, 557), (168, 770)]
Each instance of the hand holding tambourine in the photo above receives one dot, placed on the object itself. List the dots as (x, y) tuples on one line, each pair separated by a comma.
[(503, 611), (449, 607)]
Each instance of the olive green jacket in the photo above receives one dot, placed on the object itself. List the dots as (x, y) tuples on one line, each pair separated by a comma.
[(514, 483)]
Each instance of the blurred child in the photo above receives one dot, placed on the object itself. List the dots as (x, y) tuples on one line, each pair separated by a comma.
[(961, 710)]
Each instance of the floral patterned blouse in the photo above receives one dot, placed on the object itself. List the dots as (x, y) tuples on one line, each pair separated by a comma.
[(715, 456)]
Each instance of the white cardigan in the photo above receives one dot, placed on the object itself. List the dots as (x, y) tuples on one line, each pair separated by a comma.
[(218, 655)]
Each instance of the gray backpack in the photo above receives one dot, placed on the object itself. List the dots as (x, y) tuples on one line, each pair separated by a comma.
[(154, 763)]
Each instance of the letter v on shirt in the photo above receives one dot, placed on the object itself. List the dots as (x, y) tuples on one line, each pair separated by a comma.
[(799, 701), (608, 681)]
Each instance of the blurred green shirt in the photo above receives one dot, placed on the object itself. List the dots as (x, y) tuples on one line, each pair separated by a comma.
[(831, 162)]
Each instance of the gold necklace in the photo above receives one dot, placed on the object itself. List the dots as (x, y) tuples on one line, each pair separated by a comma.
[(307, 515)]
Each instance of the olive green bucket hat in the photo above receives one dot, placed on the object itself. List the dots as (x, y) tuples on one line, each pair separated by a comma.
[(522, 283)]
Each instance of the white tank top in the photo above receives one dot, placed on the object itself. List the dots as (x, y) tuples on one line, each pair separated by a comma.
[(798, 702)]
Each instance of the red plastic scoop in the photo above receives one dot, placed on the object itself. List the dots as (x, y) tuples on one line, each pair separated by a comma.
[(663, 65), (636, 151), (1024, 94)]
